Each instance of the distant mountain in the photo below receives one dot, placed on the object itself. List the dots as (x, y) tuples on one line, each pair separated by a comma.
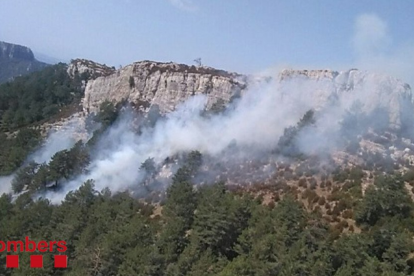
[(17, 60), (49, 59)]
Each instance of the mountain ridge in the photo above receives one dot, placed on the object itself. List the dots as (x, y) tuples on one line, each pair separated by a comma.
[(167, 84), (147, 83), (17, 60)]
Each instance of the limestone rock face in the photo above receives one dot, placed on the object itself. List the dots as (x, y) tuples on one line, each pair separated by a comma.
[(149, 83), (13, 51), (166, 85), (90, 68), (17, 60), (373, 92)]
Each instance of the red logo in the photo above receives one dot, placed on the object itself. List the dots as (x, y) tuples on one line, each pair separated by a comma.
[(36, 261)]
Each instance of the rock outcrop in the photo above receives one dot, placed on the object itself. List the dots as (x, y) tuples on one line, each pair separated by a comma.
[(148, 83), (13, 51), (166, 85), (91, 69), (16, 60)]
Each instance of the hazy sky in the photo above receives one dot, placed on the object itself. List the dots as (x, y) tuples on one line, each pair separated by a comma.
[(239, 35)]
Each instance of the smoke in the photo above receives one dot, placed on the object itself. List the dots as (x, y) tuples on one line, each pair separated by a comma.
[(253, 124), (5, 184), (56, 141), (371, 36), (377, 52), (63, 138), (346, 105)]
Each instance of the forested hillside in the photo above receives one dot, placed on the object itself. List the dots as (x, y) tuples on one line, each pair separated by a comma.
[(208, 216), (37, 97), (210, 230), (29, 101)]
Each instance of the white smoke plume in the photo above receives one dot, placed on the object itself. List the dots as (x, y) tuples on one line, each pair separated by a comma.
[(376, 51), (63, 138), (56, 141), (254, 123), (5, 184), (371, 37)]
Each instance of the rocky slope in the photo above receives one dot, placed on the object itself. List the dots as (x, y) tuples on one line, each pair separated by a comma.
[(92, 69), (16, 60), (147, 83), (150, 83)]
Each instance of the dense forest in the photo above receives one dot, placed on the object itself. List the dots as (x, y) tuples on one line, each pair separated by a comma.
[(210, 230), (31, 100), (324, 224), (37, 96)]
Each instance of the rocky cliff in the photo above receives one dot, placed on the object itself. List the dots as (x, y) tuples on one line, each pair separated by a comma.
[(150, 83), (16, 60), (13, 51), (166, 85), (90, 69)]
